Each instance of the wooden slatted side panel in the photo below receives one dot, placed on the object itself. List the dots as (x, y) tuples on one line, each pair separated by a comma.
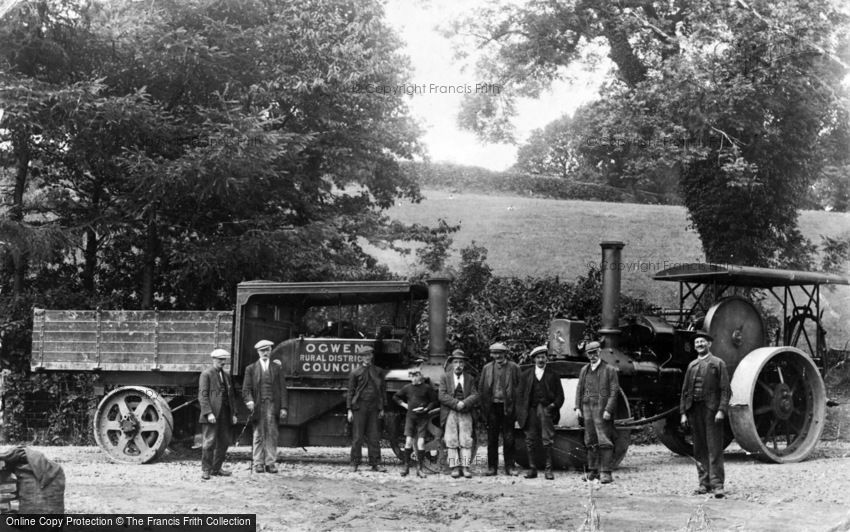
[(128, 340)]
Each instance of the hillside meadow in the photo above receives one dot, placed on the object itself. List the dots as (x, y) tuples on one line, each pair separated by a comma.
[(536, 237)]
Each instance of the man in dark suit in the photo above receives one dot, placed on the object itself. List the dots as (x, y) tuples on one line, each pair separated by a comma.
[(218, 414), (596, 402), (264, 393), (705, 400), (365, 400), (497, 386), (458, 395), (539, 404)]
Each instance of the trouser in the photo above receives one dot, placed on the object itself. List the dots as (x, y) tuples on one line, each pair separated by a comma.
[(216, 438), (499, 423), (598, 432), (265, 435), (539, 429), (364, 426), (708, 445), (458, 437)]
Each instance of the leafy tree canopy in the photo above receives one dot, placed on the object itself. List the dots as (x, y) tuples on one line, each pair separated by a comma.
[(177, 148), (743, 101)]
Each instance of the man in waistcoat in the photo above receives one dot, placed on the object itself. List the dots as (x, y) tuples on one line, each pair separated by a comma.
[(539, 404), (497, 386), (596, 403), (705, 400), (365, 401), (218, 414), (264, 393), (458, 395)]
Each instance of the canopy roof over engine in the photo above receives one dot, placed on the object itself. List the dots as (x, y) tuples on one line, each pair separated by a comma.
[(751, 276)]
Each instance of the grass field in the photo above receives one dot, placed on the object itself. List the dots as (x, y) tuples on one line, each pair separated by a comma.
[(532, 236)]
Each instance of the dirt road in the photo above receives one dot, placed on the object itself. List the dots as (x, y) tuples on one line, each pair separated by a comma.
[(315, 491)]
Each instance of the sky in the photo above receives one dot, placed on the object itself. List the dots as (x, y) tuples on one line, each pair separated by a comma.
[(435, 68)]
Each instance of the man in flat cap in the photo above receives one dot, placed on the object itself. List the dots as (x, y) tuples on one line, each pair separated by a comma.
[(539, 402), (365, 399), (458, 395), (705, 400), (596, 403), (218, 414), (264, 393), (497, 386)]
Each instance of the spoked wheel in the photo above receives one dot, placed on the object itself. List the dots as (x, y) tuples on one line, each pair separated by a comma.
[(670, 432), (394, 433), (778, 404), (133, 425), (434, 447)]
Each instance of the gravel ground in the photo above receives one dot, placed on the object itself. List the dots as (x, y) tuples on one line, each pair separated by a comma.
[(316, 491)]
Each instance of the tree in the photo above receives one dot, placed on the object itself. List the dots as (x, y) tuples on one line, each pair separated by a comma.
[(211, 142), (740, 100), (550, 150)]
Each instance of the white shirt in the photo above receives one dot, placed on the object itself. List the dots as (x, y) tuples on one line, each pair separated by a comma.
[(264, 364), (458, 380), (538, 372)]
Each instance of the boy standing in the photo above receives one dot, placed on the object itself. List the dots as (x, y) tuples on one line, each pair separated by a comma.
[(418, 398)]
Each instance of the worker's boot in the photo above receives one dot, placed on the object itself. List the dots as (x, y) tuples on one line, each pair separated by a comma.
[(532, 465), (406, 470), (592, 464), (548, 474), (606, 458), (420, 464)]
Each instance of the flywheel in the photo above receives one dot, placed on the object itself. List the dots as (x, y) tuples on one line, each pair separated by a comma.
[(737, 327)]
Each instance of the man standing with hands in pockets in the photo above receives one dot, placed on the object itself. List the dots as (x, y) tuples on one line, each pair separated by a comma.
[(218, 414)]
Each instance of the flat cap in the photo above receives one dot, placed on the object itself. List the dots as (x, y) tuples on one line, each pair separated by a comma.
[(703, 334), (220, 353), (592, 346), (263, 343), (368, 350), (538, 350), (458, 353), (498, 346)]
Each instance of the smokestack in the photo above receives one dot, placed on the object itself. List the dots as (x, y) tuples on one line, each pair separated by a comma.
[(611, 267), (438, 303)]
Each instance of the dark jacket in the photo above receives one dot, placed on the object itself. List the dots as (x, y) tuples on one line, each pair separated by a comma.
[(552, 389), (715, 386), (211, 396), (487, 385), (357, 380), (609, 386), (446, 394), (251, 388)]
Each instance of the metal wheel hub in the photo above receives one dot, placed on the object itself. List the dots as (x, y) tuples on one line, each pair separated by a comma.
[(782, 402), (129, 425)]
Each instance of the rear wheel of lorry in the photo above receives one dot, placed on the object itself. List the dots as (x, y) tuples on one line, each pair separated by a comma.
[(133, 424), (435, 449)]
